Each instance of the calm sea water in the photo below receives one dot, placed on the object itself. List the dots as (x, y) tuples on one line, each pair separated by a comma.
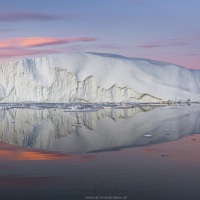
[(137, 153)]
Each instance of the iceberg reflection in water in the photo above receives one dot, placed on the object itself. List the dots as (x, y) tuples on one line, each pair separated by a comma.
[(102, 130)]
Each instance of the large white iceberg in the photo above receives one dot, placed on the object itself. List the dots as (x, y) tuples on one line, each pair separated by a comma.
[(92, 77)]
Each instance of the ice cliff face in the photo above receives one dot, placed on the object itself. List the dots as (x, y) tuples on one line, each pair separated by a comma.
[(89, 77)]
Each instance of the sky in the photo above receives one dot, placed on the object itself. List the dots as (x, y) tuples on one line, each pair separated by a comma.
[(155, 29)]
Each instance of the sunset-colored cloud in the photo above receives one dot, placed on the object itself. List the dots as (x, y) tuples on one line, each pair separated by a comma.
[(19, 47), (39, 42), (163, 43)]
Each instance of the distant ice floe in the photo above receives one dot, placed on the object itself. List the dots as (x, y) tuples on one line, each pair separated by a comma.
[(148, 136)]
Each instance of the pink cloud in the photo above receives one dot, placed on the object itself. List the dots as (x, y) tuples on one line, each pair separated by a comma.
[(163, 43), (22, 47), (39, 42)]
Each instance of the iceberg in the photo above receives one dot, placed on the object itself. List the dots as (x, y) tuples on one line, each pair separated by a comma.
[(95, 77)]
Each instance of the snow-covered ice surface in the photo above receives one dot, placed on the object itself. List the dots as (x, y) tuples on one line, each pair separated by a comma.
[(105, 129), (92, 77)]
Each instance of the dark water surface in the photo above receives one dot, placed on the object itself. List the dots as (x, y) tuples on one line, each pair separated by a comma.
[(136, 153)]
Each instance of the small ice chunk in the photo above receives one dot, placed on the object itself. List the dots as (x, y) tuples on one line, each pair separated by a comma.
[(148, 135)]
